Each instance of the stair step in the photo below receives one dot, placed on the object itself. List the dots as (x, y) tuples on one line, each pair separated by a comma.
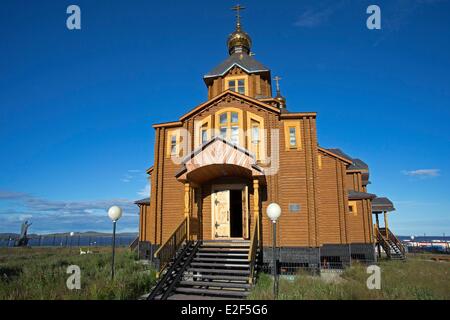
[(219, 277), (227, 241), (225, 245), (214, 265), (222, 254), (213, 292), (222, 249), (216, 284), (220, 271), (222, 259)]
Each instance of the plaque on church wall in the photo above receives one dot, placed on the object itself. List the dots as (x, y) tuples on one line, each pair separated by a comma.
[(294, 207)]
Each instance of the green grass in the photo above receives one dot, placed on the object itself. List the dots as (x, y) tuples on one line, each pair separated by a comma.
[(40, 273), (417, 279)]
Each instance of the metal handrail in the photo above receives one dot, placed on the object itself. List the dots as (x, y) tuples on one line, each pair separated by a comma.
[(167, 251), (254, 244)]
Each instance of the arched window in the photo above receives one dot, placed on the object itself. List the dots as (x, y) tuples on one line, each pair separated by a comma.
[(256, 136), (202, 131), (229, 125)]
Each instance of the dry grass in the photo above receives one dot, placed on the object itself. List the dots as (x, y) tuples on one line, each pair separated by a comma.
[(417, 279), (40, 273)]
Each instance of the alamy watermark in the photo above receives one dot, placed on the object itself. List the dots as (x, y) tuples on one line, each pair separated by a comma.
[(74, 280), (374, 20), (73, 21), (374, 280)]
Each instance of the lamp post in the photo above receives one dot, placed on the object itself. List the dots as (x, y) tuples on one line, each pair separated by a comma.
[(114, 214), (273, 212)]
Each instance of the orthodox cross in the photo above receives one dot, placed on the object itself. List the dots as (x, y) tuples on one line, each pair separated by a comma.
[(277, 79), (238, 9)]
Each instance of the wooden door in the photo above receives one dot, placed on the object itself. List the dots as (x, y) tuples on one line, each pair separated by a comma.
[(222, 214)]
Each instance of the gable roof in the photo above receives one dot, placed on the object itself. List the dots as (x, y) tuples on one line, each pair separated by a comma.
[(241, 59), (227, 157), (233, 93), (335, 155), (380, 204), (355, 164), (340, 153)]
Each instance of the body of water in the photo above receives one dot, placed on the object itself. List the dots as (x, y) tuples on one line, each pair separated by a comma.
[(68, 241)]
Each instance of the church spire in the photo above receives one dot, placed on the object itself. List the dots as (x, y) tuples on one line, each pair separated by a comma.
[(239, 41)]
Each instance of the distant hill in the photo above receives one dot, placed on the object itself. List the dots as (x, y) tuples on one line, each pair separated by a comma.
[(76, 234)]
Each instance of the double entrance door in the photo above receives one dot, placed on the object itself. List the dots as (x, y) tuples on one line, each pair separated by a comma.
[(230, 212)]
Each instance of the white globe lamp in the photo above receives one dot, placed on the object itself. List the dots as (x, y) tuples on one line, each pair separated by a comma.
[(273, 212), (115, 213)]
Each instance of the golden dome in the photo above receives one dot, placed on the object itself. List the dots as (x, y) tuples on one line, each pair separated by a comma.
[(239, 41)]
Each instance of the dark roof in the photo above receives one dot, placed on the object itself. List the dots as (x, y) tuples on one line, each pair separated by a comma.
[(340, 153), (241, 59), (358, 164), (357, 195), (143, 201), (380, 204)]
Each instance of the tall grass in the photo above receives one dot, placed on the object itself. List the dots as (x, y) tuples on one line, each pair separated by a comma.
[(40, 273), (414, 279)]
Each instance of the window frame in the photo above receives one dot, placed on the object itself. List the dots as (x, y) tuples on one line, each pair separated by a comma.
[(199, 126), (288, 125), (229, 125), (235, 80), (252, 118), (171, 133), (354, 206)]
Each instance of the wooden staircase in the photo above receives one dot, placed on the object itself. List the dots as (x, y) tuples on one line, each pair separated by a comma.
[(393, 248), (215, 268)]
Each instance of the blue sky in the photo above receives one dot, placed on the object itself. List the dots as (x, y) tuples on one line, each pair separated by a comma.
[(76, 107)]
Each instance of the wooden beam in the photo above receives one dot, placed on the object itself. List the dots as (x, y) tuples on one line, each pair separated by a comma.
[(386, 226), (256, 202), (187, 208)]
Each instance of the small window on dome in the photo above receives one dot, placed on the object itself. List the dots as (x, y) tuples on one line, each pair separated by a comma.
[(237, 85), (241, 86)]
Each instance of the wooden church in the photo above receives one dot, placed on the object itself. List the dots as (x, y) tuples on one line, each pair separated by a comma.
[(218, 167)]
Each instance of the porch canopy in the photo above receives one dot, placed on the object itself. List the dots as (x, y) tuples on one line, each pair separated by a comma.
[(382, 204), (218, 158)]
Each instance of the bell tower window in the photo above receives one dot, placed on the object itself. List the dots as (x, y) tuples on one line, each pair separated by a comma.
[(237, 84)]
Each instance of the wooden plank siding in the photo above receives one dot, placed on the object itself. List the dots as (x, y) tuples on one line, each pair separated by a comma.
[(321, 191), (332, 201)]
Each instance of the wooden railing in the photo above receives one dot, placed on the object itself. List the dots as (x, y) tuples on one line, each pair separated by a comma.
[(254, 246), (134, 244), (168, 249), (382, 237), (394, 239)]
